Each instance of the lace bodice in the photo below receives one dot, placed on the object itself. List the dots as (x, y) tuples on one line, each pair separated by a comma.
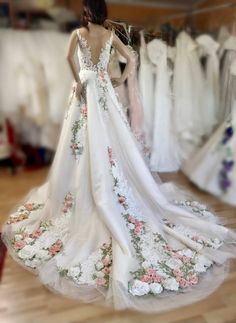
[(85, 55)]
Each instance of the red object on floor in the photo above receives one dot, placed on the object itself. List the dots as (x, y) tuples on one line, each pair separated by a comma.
[(3, 253)]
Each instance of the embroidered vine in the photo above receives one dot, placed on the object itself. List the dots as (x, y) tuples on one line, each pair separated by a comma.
[(77, 141), (160, 267), (23, 212), (46, 241)]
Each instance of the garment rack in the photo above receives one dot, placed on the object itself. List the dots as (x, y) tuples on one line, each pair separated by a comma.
[(200, 11)]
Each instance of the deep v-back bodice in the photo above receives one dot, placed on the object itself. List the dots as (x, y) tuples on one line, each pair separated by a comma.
[(85, 54)]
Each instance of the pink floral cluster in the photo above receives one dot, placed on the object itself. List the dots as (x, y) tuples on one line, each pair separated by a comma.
[(20, 244), (103, 280), (29, 206), (185, 282), (110, 155), (18, 218), (138, 225), (176, 255), (68, 203), (84, 110), (102, 76), (23, 214), (55, 248), (151, 276)]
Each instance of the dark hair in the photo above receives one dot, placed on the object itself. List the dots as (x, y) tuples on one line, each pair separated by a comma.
[(94, 11)]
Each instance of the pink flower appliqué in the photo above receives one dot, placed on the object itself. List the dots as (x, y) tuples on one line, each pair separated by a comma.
[(20, 244), (183, 283), (29, 206), (122, 199), (55, 248), (84, 111), (100, 281)]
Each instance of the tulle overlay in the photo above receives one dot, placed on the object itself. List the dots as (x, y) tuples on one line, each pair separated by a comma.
[(101, 229)]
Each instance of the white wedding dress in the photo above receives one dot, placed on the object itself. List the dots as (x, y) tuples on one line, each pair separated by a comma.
[(146, 86), (188, 88), (165, 151), (212, 168), (101, 230), (208, 49)]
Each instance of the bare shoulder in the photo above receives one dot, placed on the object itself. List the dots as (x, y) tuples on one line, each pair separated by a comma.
[(82, 30)]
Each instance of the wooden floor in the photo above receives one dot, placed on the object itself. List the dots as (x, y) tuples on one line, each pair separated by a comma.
[(24, 300)]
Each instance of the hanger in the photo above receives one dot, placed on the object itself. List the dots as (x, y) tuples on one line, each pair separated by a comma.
[(122, 24)]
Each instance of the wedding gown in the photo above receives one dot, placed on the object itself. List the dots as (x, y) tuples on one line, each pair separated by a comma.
[(228, 79), (208, 49), (165, 152), (188, 85), (213, 168), (146, 86), (101, 230)]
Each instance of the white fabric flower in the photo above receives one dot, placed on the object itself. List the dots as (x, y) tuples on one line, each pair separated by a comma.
[(203, 260), (194, 204), (35, 262), (27, 252), (146, 264), (174, 263), (74, 271), (186, 252), (43, 254), (199, 268), (171, 284), (139, 288), (156, 288), (131, 226), (18, 237), (100, 274), (99, 265), (29, 240)]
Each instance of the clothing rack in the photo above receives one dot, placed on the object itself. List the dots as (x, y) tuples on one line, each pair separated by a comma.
[(130, 31), (200, 11)]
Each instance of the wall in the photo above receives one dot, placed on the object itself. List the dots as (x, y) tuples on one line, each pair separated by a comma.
[(211, 21), (138, 15)]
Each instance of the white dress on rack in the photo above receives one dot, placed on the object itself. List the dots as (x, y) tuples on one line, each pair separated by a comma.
[(146, 85), (208, 48), (165, 152), (213, 167), (101, 230), (228, 78), (38, 105), (188, 95)]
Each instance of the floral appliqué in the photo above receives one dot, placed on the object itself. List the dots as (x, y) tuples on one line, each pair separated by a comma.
[(160, 266), (102, 83), (95, 269), (40, 245), (23, 212), (77, 145)]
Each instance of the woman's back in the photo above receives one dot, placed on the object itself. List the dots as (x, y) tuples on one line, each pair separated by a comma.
[(94, 40)]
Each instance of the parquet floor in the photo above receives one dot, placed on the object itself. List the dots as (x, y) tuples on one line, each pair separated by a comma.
[(24, 300)]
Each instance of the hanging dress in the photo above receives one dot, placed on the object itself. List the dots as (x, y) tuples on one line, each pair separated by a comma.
[(146, 86), (208, 49), (188, 87), (165, 152), (213, 167), (228, 79)]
